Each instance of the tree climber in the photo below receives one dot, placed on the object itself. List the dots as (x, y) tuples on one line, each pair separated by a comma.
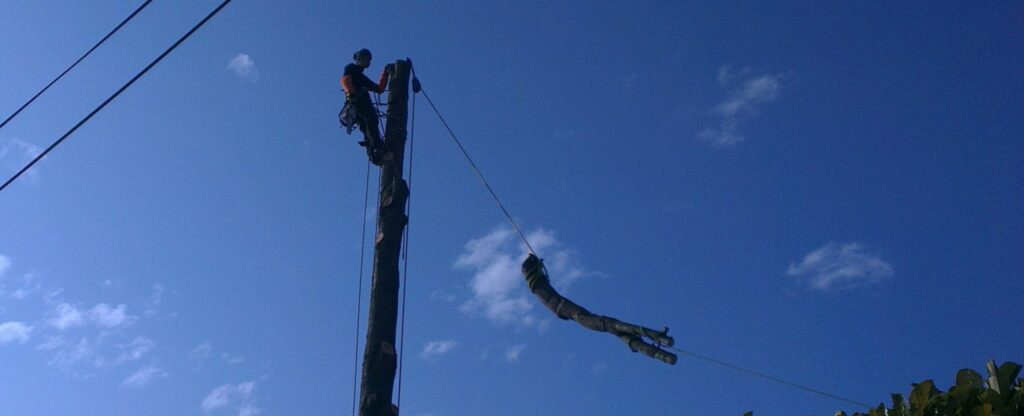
[(633, 335), (358, 109)]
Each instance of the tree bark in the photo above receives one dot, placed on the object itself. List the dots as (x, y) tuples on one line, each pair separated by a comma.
[(380, 358)]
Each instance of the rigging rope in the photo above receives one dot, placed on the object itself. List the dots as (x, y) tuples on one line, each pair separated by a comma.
[(117, 93), (405, 253), (359, 292), (80, 59), (523, 237), (769, 377), (478, 173)]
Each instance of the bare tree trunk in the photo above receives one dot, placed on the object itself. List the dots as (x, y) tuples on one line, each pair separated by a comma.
[(379, 356)]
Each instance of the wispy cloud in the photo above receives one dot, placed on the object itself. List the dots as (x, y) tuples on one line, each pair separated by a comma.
[(14, 332), (69, 355), (65, 316), (243, 66), (497, 287), (22, 287), (155, 299), (513, 352), (25, 286), (141, 377), (5, 263), (240, 397), (745, 93), (434, 349), (442, 296), (105, 316), (16, 153), (201, 352), (840, 266), (136, 349), (231, 359)]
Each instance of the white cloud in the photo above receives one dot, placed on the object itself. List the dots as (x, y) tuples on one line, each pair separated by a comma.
[(741, 103), (67, 355), (435, 349), (201, 352), (231, 359), (16, 153), (218, 398), (135, 350), (835, 266), (496, 276), (499, 292), (14, 332), (28, 287), (513, 352), (5, 263), (248, 409), (726, 75), (25, 286), (143, 376), (65, 316), (243, 66), (155, 300), (442, 296), (241, 397), (105, 316)]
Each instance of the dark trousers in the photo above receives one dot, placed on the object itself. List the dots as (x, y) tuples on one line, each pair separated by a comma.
[(369, 123)]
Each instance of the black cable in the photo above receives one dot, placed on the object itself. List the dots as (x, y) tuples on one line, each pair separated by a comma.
[(769, 377), (112, 97), (118, 27)]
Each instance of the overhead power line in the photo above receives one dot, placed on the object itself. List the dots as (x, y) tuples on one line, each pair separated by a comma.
[(112, 97), (111, 33)]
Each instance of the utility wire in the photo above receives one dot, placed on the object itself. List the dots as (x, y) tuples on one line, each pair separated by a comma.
[(118, 27), (769, 377), (478, 173), (112, 97)]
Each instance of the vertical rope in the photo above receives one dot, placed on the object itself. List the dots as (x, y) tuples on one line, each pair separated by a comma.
[(405, 254), (359, 292)]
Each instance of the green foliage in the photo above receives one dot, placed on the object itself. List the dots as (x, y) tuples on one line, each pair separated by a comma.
[(999, 395)]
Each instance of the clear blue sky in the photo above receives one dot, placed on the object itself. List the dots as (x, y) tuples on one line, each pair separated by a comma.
[(829, 193)]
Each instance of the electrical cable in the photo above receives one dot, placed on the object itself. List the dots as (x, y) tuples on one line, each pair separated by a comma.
[(80, 59), (117, 93), (769, 377)]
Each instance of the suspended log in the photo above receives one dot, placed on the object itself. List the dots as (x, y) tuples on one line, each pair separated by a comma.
[(633, 335)]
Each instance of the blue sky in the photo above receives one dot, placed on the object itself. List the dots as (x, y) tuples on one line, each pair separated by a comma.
[(828, 193)]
